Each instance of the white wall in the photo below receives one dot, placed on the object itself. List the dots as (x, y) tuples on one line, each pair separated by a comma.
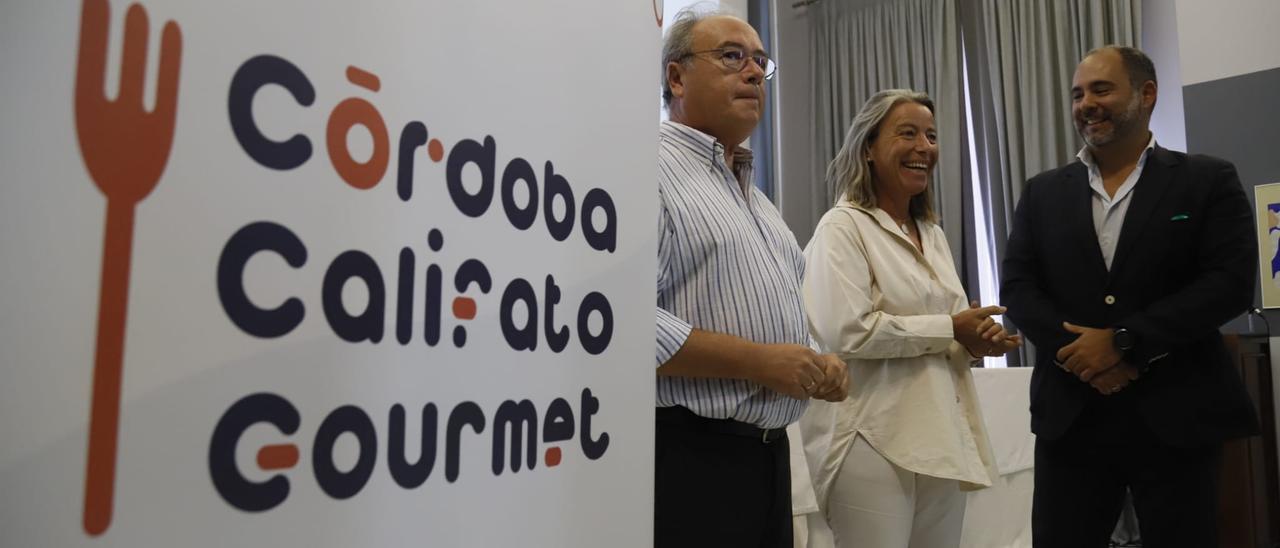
[(738, 7), (1226, 38), (1160, 42), (670, 7)]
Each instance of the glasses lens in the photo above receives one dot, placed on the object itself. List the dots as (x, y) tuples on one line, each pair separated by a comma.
[(733, 58), (769, 67), (736, 59)]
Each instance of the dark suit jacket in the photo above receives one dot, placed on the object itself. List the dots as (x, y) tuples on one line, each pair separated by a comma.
[(1185, 263)]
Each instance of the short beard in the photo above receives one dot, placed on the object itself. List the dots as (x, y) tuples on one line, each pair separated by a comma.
[(1121, 124)]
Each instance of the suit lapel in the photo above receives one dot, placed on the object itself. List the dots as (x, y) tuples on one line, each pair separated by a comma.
[(1152, 186), (1079, 201)]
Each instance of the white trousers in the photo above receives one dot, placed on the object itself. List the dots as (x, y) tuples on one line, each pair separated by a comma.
[(875, 504)]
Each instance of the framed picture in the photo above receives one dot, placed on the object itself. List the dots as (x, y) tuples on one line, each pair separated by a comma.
[(1267, 214)]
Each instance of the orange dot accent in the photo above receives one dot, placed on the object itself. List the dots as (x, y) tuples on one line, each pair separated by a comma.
[(464, 308), (553, 457), (435, 149), (363, 78), (278, 457)]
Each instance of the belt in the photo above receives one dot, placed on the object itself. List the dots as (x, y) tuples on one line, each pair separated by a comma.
[(680, 416)]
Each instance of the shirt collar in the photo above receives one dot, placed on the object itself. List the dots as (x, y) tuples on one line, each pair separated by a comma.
[(702, 145), (881, 216), (1086, 157)]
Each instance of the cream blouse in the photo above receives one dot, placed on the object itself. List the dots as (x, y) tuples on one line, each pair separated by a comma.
[(885, 308)]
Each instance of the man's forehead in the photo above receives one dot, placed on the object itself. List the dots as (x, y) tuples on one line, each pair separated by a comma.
[(720, 30), (1103, 66)]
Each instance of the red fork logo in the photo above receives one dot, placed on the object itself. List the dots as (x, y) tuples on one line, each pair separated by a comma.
[(125, 149)]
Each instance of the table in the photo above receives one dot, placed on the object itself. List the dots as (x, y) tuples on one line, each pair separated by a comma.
[(1000, 516)]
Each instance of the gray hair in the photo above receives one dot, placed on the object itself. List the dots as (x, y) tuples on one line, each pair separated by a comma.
[(677, 46), (849, 175)]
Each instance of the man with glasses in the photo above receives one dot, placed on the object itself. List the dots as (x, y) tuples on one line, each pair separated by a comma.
[(734, 356)]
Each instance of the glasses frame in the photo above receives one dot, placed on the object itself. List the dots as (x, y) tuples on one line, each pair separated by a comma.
[(729, 63)]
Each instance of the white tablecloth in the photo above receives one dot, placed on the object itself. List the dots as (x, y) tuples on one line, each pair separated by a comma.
[(1000, 516), (1004, 396)]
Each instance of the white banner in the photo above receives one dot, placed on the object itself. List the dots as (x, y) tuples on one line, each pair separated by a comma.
[(327, 273)]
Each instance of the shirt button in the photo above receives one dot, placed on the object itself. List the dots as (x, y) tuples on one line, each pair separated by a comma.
[(1109, 299)]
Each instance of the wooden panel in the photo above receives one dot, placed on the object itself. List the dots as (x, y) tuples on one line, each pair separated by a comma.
[(1249, 509)]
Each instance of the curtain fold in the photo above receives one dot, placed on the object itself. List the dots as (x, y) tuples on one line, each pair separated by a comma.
[(859, 47)]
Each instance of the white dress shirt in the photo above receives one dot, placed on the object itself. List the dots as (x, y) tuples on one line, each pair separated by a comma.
[(885, 308), (1109, 211)]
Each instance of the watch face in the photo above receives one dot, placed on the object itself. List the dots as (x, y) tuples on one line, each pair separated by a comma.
[(1123, 339)]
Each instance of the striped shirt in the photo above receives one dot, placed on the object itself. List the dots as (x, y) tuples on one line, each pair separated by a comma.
[(726, 263)]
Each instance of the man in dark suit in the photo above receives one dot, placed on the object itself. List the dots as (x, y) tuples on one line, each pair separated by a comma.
[(1120, 268)]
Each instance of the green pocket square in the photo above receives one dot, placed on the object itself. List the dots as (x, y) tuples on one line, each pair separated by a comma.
[(1180, 217)]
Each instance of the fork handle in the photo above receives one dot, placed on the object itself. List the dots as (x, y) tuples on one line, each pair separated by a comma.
[(104, 420)]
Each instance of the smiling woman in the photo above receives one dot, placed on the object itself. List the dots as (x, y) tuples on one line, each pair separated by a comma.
[(881, 290), (902, 156), (891, 120)]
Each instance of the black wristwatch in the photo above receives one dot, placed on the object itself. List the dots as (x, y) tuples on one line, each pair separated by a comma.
[(1123, 339)]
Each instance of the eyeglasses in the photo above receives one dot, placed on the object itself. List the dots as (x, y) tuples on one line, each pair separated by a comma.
[(735, 59)]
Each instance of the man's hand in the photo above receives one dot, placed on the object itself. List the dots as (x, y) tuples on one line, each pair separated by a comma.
[(1115, 379), (836, 386), (1092, 353), (790, 369)]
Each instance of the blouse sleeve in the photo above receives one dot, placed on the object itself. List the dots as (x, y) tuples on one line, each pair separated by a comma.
[(838, 296)]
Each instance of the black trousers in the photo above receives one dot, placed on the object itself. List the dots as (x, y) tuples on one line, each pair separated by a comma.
[(720, 483), (1080, 483)]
